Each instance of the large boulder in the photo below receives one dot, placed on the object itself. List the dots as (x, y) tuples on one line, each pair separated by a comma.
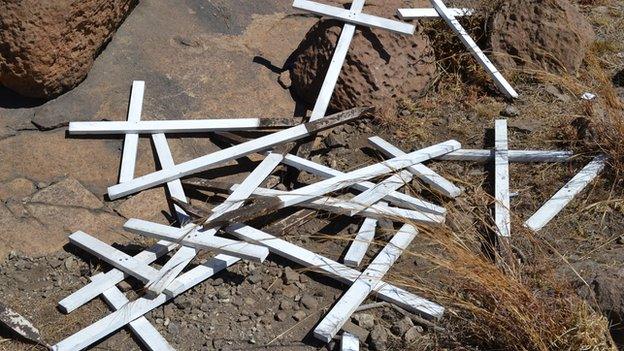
[(547, 35), (48, 47), (381, 67)]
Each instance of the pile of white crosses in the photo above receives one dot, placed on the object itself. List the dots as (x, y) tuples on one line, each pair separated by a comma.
[(376, 201)]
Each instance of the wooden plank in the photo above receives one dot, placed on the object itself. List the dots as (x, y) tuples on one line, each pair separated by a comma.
[(385, 187), (395, 198), (347, 207), (205, 162), (354, 17), (175, 186), (109, 279), (306, 258), (335, 66), (309, 192), (474, 49), (429, 176), (112, 256), (410, 14), (349, 342), (363, 286), (175, 126), (137, 308), (359, 246), (185, 255), (142, 328), (516, 156), (502, 214), (131, 141), (562, 198)]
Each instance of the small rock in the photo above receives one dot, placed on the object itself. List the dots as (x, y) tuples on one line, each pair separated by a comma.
[(284, 79), (254, 278), (280, 316), (286, 305), (223, 294), (378, 338), (290, 291), (588, 96), (173, 329), (182, 303), (281, 187), (332, 141), (124, 286), (290, 276), (365, 320), (405, 113), (309, 302), (510, 111), (272, 181), (237, 301), (401, 327), (299, 315), (412, 334), (70, 263), (204, 307)]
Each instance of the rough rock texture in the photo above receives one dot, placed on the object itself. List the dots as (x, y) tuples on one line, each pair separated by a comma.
[(48, 47), (381, 66), (537, 34)]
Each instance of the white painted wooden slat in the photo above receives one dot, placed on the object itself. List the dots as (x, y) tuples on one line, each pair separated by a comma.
[(197, 239), (109, 279), (141, 306), (354, 17), (175, 186), (385, 187), (359, 246), (185, 255), (517, 156), (429, 176), (563, 197), (349, 342), (502, 215), (395, 198), (474, 49), (131, 141), (335, 66), (309, 192), (205, 162), (112, 256), (363, 286), (137, 308), (306, 258), (165, 126), (409, 14), (143, 329), (347, 207)]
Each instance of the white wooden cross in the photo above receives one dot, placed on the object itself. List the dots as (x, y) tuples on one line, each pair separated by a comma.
[(449, 15), (352, 17)]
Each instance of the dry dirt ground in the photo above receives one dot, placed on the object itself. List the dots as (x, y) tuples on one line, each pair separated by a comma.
[(223, 58)]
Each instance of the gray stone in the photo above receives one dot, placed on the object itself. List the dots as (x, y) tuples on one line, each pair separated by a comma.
[(290, 276), (365, 320), (378, 338), (280, 316), (401, 327), (254, 278), (510, 111), (413, 334), (299, 315), (309, 302), (173, 329)]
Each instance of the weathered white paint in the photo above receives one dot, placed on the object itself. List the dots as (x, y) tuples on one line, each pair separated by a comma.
[(427, 175), (363, 286), (359, 245), (474, 49), (410, 14), (517, 156), (185, 254), (395, 198), (205, 162), (142, 328), (563, 197), (385, 187), (349, 342), (502, 214), (166, 126), (131, 141)]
